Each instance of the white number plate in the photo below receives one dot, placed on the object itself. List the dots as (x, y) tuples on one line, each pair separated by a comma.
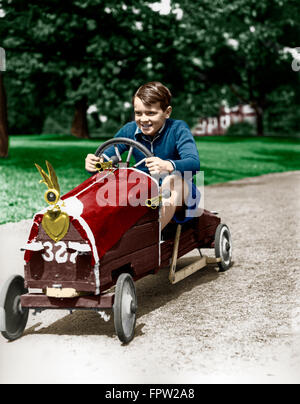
[(58, 252)]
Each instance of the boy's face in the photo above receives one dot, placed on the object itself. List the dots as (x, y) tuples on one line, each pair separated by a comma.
[(150, 118)]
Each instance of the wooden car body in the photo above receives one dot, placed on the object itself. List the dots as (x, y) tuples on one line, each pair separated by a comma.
[(138, 249), (87, 249)]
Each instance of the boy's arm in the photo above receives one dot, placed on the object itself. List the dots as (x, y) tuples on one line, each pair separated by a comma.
[(91, 159), (187, 150)]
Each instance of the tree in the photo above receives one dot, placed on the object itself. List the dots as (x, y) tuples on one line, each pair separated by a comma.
[(3, 121), (3, 109), (80, 53), (77, 53), (239, 46)]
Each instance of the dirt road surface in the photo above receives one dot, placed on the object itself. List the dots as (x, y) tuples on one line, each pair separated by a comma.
[(241, 326)]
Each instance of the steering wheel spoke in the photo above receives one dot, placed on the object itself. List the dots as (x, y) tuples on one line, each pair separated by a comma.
[(139, 163), (117, 152), (129, 154), (132, 144), (105, 156)]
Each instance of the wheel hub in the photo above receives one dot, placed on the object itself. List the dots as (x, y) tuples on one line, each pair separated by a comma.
[(125, 308), (17, 308), (223, 247), (133, 307)]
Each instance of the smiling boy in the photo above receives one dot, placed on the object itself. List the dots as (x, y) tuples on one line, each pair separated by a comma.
[(170, 141)]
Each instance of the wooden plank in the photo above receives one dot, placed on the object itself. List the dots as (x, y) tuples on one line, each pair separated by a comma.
[(186, 244), (212, 260), (63, 292), (192, 265), (81, 286), (41, 301), (189, 270), (175, 254)]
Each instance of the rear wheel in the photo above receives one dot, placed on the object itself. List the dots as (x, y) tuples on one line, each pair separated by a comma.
[(14, 316), (223, 247), (125, 307)]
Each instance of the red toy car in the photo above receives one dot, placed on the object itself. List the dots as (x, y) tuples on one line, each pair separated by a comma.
[(83, 254)]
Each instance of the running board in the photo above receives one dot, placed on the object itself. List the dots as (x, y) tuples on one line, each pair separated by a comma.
[(190, 269), (176, 276)]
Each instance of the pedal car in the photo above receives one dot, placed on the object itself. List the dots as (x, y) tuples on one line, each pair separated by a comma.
[(89, 247)]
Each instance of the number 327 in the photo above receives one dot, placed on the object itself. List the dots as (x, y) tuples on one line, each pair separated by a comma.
[(58, 252)]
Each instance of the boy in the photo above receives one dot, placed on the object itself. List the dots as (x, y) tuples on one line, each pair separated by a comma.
[(172, 144)]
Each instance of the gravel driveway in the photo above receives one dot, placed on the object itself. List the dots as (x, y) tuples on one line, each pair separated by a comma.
[(234, 327)]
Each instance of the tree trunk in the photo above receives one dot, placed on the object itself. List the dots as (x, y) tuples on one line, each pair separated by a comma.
[(3, 121), (259, 121), (80, 125)]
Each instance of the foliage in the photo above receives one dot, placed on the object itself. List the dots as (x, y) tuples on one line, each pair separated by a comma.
[(283, 115), (206, 52), (241, 129), (59, 52), (239, 47)]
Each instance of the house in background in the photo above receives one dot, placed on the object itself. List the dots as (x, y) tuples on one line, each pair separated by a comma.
[(228, 116)]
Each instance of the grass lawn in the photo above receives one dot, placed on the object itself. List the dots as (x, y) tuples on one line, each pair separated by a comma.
[(222, 159)]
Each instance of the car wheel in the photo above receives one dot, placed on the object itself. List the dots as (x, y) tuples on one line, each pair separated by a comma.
[(13, 316), (125, 307), (223, 247)]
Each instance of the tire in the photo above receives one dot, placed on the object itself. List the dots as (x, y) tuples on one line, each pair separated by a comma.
[(223, 247), (14, 317), (125, 307)]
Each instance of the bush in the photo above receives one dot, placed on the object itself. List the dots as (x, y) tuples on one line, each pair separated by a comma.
[(241, 129)]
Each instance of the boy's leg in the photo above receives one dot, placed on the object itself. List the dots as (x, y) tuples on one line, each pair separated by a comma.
[(179, 191)]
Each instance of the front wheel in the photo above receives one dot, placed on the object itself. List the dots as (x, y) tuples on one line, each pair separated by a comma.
[(223, 247), (125, 307), (13, 316)]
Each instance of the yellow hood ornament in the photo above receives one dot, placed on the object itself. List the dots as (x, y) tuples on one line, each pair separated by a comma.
[(55, 222)]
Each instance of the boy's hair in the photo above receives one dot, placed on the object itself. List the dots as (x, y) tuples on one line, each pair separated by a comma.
[(153, 92)]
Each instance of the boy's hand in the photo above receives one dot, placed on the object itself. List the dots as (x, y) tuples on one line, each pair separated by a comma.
[(90, 162), (156, 165)]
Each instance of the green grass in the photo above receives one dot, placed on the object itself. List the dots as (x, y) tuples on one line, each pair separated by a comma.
[(222, 159), (225, 158)]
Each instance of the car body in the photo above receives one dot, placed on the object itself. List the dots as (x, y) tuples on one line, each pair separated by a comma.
[(90, 246)]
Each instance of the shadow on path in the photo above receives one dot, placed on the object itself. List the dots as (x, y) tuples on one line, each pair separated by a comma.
[(153, 292)]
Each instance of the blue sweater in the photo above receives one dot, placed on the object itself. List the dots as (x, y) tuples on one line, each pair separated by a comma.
[(174, 143)]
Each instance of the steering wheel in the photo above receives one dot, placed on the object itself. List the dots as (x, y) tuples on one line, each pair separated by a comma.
[(133, 144)]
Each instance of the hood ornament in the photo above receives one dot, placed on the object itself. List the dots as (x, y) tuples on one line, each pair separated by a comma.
[(55, 222)]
